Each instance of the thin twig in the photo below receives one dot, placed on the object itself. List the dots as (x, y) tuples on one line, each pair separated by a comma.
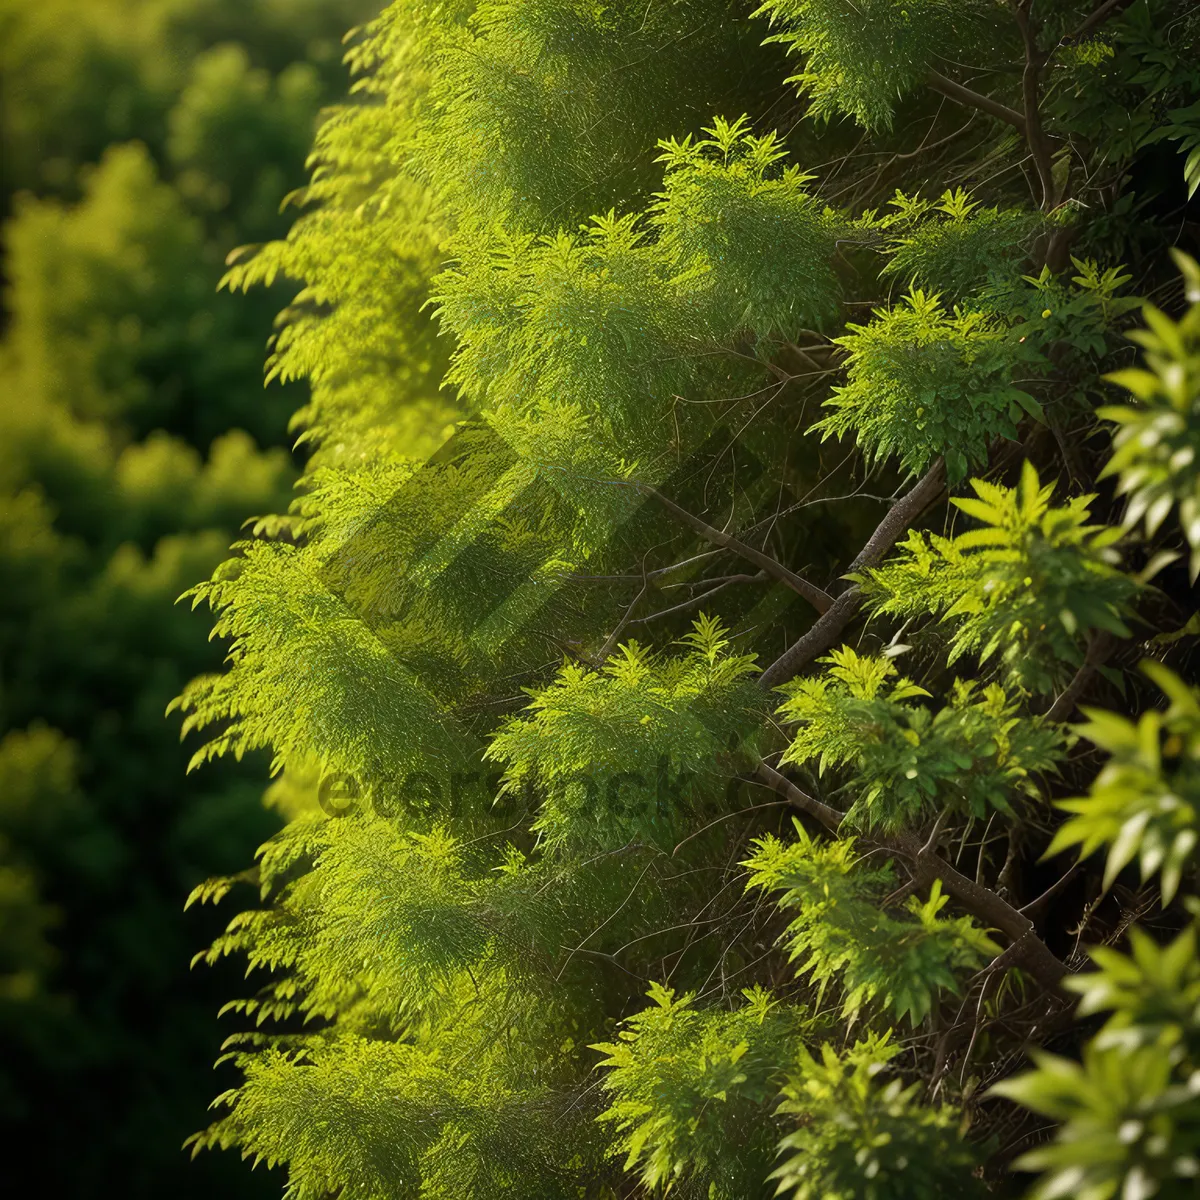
[(1102, 645), (692, 601), (821, 600), (611, 641), (1110, 8)]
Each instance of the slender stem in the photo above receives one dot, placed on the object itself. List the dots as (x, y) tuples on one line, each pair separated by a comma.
[(821, 600), (610, 643), (692, 601), (1102, 645), (1048, 894), (1110, 8)]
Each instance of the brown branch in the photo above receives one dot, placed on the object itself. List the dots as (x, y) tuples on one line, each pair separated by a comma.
[(611, 641), (1049, 893), (830, 818), (817, 641), (1031, 82), (692, 601), (821, 600), (926, 492), (1110, 8), (1102, 645), (972, 99), (825, 632), (1027, 950)]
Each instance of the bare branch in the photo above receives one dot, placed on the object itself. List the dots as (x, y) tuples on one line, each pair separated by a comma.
[(825, 632), (692, 601), (972, 99), (611, 641), (819, 639), (1031, 82), (830, 818), (1102, 645), (926, 492), (1110, 8), (821, 600)]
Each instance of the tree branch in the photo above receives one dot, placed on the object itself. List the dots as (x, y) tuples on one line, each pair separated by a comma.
[(1027, 950), (610, 642), (926, 492), (972, 99), (830, 818), (821, 600), (719, 585), (1111, 8), (1031, 81), (1102, 645), (821, 637)]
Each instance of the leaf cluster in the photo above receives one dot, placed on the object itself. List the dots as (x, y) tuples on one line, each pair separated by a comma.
[(1023, 589), (907, 761), (897, 962)]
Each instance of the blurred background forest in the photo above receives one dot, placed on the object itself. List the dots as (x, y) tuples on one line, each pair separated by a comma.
[(140, 141)]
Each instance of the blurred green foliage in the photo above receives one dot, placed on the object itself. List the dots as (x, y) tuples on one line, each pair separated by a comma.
[(140, 141)]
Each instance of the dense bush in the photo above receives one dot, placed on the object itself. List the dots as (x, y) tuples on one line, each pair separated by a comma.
[(705, 550)]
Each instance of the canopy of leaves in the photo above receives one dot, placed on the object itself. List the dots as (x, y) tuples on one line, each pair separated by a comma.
[(582, 301)]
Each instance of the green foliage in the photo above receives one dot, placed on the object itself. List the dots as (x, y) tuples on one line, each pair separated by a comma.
[(580, 302), (79, 75), (859, 57), (1023, 588), (687, 1082), (924, 383), (135, 438), (1125, 84), (1125, 1127), (860, 1138), (907, 761), (400, 1096), (614, 753), (1153, 995), (896, 962), (1145, 802), (757, 237), (1184, 129), (957, 246), (38, 771), (1077, 318), (1155, 445), (226, 115), (611, 321), (113, 313)]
